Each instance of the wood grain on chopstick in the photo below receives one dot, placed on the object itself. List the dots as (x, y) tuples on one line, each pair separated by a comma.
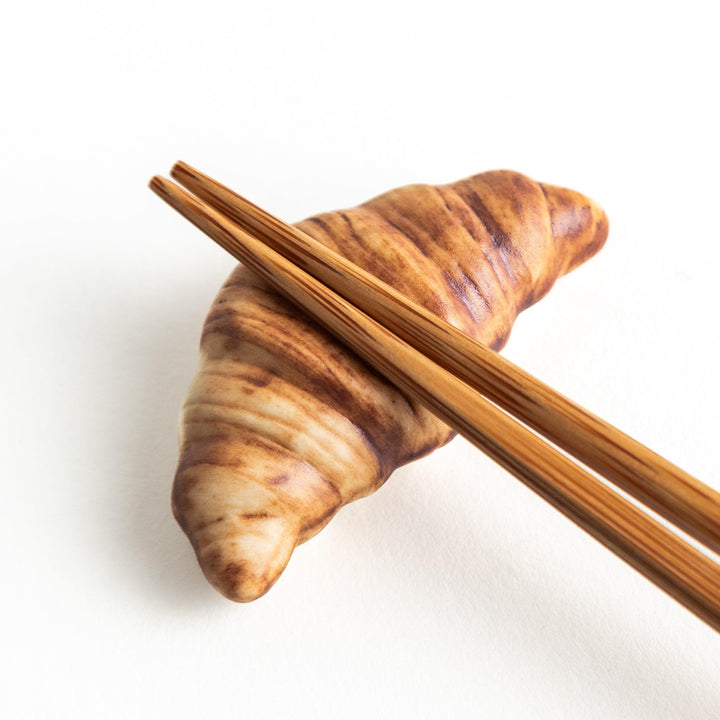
[(670, 491), (679, 569)]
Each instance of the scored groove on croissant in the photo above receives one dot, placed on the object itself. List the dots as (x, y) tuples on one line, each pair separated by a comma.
[(283, 425)]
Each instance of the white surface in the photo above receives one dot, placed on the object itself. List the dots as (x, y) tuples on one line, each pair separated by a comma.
[(453, 592)]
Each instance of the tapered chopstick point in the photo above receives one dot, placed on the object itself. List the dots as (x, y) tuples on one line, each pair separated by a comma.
[(156, 184), (181, 168)]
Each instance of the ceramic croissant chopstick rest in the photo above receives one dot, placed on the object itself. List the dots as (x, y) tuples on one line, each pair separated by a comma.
[(283, 425)]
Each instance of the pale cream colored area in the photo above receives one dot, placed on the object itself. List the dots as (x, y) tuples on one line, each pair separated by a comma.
[(286, 415)]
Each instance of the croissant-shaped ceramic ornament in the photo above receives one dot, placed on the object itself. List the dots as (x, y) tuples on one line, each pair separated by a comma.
[(283, 425)]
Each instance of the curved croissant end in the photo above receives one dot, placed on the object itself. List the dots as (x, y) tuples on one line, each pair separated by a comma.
[(283, 425), (580, 227)]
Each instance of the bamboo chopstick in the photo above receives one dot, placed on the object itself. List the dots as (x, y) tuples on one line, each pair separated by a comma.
[(670, 491), (673, 565)]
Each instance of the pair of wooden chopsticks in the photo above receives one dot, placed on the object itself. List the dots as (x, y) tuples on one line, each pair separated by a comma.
[(453, 375)]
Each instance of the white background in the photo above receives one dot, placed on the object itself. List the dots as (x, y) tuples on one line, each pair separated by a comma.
[(452, 592)]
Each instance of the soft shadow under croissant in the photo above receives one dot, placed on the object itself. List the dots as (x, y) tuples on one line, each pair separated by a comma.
[(282, 425)]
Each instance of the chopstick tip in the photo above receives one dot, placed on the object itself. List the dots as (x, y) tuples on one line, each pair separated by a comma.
[(180, 169), (158, 185)]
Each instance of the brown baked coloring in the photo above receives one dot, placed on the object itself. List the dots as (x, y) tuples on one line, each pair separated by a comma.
[(282, 425)]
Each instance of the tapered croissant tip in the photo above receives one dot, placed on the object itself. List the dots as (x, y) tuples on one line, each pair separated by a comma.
[(236, 583), (243, 567), (579, 225)]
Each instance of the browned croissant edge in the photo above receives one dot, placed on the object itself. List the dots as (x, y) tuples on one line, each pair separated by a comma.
[(283, 425)]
